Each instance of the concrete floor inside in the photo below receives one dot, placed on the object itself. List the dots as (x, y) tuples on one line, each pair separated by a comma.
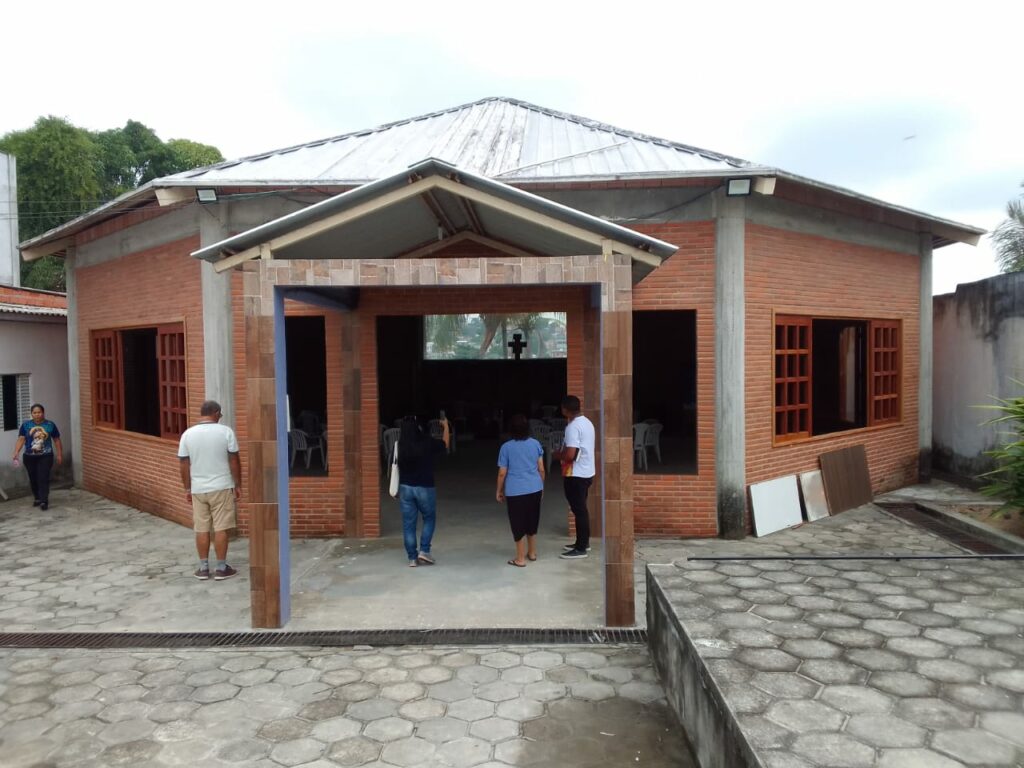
[(366, 583)]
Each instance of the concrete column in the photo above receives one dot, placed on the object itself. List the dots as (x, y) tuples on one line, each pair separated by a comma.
[(730, 319), (218, 356), (74, 370), (10, 260), (925, 364), (351, 405)]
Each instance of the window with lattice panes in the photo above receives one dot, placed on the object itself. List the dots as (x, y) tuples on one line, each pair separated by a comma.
[(834, 374), (139, 380)]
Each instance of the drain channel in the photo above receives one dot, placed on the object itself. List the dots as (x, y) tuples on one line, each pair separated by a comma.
[(911, 513), (325, 639)]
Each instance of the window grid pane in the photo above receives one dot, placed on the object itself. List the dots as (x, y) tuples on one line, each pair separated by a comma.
[(172, 385), (884, 393), (792, 377)]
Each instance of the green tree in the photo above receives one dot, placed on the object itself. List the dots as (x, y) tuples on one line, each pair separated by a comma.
[(65, 171), (1008, 237)]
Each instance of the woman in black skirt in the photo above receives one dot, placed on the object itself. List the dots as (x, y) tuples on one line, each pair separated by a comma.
[(521, 486)]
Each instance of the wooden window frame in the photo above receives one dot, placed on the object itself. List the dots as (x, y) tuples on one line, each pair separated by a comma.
[(172, 378), (884, 388)]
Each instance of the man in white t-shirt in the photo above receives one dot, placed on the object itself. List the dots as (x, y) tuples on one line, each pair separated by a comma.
[(578, 470), (212, 475)]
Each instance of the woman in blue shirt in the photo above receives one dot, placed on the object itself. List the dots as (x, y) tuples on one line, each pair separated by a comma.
[(521, 486), (41, 440)]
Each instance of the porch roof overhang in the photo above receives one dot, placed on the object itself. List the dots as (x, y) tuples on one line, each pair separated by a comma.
[(426, 208)]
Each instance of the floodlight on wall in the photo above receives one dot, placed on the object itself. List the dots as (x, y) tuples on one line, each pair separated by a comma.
[(206, 195), (738, 187)]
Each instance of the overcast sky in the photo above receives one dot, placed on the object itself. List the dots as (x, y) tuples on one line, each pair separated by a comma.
[(918, 104)]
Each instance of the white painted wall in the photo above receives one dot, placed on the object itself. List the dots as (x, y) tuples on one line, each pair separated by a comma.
[(979, 350), (39, 348), (10, 265)]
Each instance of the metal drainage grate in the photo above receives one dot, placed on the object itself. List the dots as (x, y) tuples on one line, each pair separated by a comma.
[(911, 513), (327, 639)]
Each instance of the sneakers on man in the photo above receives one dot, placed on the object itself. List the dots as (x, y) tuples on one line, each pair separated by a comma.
[(570, 547), (224, 573), (202, 574), (412, 563), (573, 554), (425, 558)]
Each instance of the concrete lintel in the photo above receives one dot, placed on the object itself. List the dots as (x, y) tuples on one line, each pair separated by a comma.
[(784, 214), (730, 334), (340, 299), (171, 226)]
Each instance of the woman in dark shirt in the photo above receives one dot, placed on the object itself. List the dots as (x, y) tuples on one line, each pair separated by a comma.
[(416, 492), (41, 440)]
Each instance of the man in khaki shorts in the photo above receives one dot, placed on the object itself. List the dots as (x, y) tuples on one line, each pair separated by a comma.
[(212, 475)]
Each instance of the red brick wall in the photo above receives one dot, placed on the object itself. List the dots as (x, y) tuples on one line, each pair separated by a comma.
[(683, 505), (30, 297), (794, 273), (159, 285)]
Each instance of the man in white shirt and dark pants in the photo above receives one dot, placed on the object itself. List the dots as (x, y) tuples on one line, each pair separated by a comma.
[(212, 475), (578, 470)]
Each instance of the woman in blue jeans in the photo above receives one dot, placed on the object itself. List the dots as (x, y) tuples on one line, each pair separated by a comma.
[(416, 493)]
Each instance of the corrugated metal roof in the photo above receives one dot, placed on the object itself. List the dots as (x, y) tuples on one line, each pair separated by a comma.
[(25, 309), (499, 138)]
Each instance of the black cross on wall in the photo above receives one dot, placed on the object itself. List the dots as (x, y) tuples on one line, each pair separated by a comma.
[(517, 345)]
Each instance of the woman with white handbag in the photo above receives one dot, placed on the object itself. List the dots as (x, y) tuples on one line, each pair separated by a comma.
[(412, 482)]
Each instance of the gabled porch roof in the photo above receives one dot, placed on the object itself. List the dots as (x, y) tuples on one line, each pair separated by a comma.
[(426, 208)]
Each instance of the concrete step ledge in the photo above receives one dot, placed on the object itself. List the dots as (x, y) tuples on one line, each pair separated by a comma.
[(692, 692), (969, 525)]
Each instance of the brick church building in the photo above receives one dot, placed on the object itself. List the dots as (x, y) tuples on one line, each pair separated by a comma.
[(758, 317)]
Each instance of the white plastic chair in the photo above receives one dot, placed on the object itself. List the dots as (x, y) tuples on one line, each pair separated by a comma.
[(640, 444), (303, 443), (652, 439), (556, 437), (558, 423), (390, 438)]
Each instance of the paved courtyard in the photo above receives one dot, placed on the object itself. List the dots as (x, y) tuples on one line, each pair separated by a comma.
[(849, 663), (402, 707)]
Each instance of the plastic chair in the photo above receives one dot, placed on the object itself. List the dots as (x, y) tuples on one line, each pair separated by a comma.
[(302, 443), (390, 439), (549, 411), (640, 444), (652, 439), (558, 423), (556, 437)]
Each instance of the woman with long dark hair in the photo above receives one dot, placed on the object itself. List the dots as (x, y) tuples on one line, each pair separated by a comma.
[(521, 487), (417, 495), (41, 440)]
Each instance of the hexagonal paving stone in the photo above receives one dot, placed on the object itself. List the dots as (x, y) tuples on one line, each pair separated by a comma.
[(211, 693), (975, 747), (297, 751), (323, 710), (523, 675), (793, 629), (478, 675), (464, 752), (335, 729), (833, 672), (981, 697), (590, 690), (987, 658), (288, 729), (442, 729), (885, 731), (354, 751), (371, 709), (1006, 725), (494, 729), (948, 671), (520, 709), (768, 660), (402, 691), (388, 729), (458, 659), (903, 684), (501, 660), (812, 649), (804, 716), (892, 627), (424, 709), (371, 661), (497, 691), (643, 692), (127, 730), (432, 674), (786, 685), (542, 659), (451, 691), (834, 750), (915, 758), (386, 676), (357, 691), (856, 699), (763, 733), (471, 709), (1010, 679), (408, 752), (246, 751), (934, 713)]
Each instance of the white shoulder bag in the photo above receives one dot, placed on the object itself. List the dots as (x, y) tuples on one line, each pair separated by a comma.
[(393, 485)]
